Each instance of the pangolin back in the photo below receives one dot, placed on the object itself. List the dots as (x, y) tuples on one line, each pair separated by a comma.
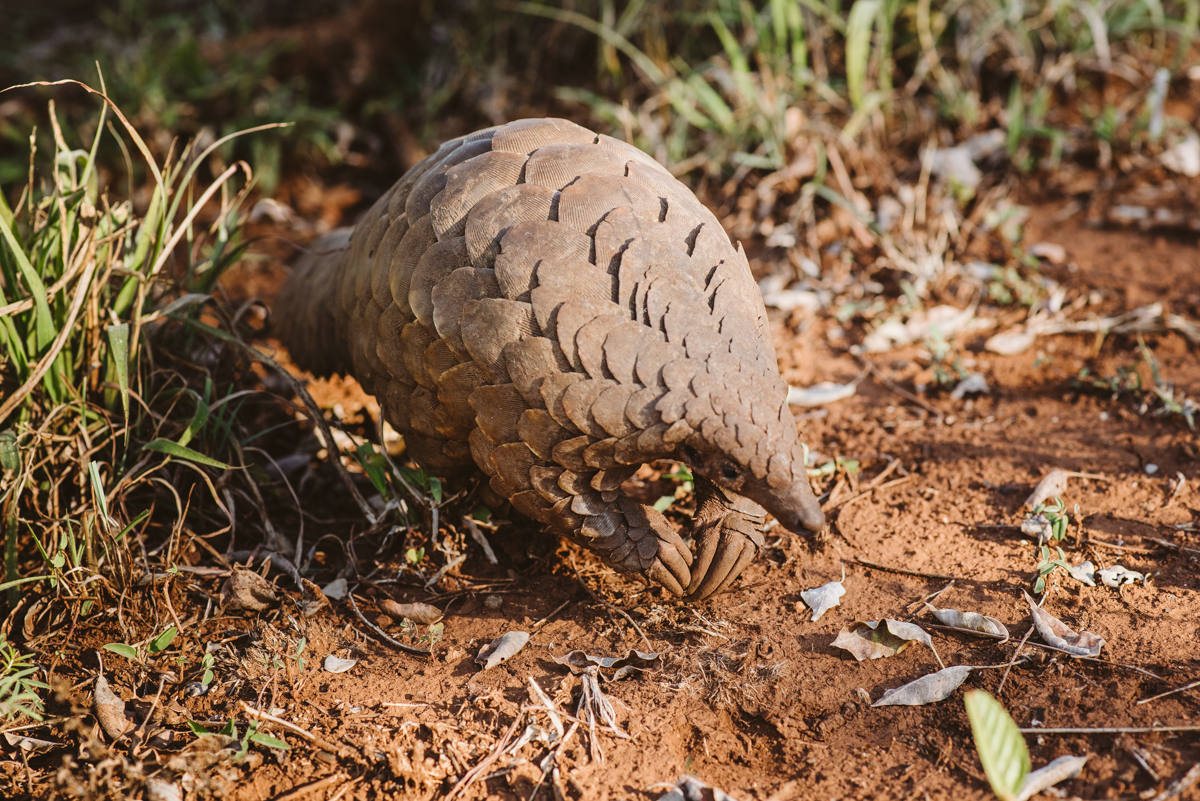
[(551, 306)]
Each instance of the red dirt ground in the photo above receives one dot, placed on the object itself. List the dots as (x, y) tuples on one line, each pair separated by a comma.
[(752, 697)]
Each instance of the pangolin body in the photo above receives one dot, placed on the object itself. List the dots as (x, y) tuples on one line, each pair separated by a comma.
[(551, 306)]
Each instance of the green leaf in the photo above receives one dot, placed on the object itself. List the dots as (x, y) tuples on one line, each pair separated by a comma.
[(175, 449), (207, 678), (269, 741), (435, 489), (127, 651), (1000, 745), (197, 729), (859, 25), (160, 643), (118, 340), (664, 503), (10, 456)]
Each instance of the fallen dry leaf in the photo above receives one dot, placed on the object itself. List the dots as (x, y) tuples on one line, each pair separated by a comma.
[(1052, 485), (969, 621), (312, 599), (632, 662), (337, 589), (246, 590), (502, 649), (335, 664), (1061, 769), (927, 689), (821, 599), (871, 640), (1084, 572), (1117, 575), (110, 710), (1060, 635), (424, 614)]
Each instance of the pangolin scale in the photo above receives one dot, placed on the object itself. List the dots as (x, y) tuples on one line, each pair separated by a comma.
[(552, 307)]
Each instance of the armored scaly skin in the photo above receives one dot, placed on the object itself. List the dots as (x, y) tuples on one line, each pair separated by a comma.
[(551, 306)]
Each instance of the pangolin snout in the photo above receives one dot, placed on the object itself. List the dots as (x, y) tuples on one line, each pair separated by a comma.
[(795, 507)]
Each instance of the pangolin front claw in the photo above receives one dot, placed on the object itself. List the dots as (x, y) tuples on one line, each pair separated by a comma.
[(722, 555)]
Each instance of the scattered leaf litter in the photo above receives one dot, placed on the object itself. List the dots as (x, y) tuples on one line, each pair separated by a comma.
[(502, 649), (1084, 572), (1117, 575), (110, 710), (632, 663), (420, 613), (821, 599), (877, 639), (974, 384), (689, 788), (335, 664), (1054, 485), (1042, 779), (927, 689), (1060, 635), (969, 621), (820, 394), (247, 591), (336, 589)]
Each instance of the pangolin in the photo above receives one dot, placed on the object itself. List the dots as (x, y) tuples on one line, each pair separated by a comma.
[(552, 307)]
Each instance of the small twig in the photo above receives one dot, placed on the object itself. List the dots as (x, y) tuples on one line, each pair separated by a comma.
[(477, 771), (900, 570), (389, 640), (478, 535), (311, 787), (1115, 547), (930, 597), (292, 727), (1114, 730), (1184, 688), (843, 504), (1013, 661), (1181, 784), (544, 620)]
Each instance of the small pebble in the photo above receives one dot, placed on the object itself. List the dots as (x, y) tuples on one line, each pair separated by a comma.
[(1103, 416), (1151, 469), (493, 601)]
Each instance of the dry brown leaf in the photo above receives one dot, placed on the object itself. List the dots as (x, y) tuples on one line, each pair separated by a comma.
[(1060, 635), (312, 599), (247, 590), (110, 710), (502, 649), (424, 614), (927, 689), (1052, 485), (969, 621), (1061, 769), (871, 640), (629, 664)]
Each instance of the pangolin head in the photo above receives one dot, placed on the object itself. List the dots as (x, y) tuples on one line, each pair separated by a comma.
[(755, 451)]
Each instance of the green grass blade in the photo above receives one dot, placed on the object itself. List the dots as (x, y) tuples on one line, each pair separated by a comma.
[(175, 449), (45, 324), (1000, 745), (859, 25), (118, 341)]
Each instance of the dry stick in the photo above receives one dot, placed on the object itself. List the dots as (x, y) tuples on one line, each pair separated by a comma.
[(1013, 661), (477, 771), (1114, 730), (292, 727), (843, 504), (1177, 787), (546, 619), (390, 640), (609, 606), (1185, 688), (312, 787), (900, 570)]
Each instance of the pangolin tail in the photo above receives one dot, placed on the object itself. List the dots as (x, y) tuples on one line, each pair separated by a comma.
[(303, 316)]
